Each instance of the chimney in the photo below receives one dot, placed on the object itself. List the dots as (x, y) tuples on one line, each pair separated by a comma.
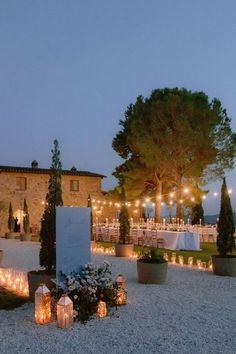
[(34, 164)]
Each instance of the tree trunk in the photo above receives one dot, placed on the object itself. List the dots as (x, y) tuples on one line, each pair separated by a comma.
[(179, 211), (158, 202)]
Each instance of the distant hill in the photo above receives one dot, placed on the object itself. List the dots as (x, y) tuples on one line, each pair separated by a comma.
[(212, 219)]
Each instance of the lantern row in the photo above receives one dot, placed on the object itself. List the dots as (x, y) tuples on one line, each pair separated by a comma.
[(173, 259)]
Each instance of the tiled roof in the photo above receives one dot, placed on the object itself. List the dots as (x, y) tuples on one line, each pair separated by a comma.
[(48, 171)]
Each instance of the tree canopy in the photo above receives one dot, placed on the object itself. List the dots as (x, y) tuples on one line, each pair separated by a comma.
[(173, 138)]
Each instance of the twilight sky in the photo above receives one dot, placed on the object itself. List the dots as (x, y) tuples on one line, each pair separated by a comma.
[(68, 70)]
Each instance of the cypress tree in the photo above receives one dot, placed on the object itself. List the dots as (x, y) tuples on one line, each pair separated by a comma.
[(47, 254), (197, 214), (225, 227), (26, 221), (10, 219), (124, 225)]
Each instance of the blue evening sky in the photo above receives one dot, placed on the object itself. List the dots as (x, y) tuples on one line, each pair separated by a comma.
[(69, 68)]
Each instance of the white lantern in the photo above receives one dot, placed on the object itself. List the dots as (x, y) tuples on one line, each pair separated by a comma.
[(166, 257), (64, 312), (199, 263), (181, 260), (42, 305), (190, 261), (173, 258)]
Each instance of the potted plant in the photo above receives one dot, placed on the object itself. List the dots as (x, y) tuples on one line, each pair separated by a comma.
[(225, 263), (151, 267), (47, 255), (124, 247), (25, 236), (11, 223)]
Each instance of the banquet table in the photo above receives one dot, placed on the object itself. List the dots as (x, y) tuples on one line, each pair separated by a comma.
[(183, 240), (173, 240)]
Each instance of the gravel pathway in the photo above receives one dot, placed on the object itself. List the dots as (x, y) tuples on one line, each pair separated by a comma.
[(193, 313)]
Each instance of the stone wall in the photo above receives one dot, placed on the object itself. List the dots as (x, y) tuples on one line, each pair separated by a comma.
[(35, 194)]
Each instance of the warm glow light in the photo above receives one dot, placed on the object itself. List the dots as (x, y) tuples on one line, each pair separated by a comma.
[(229, 191), (171, 202), (171, 195), (102, 309), (181, 201), (186, 190), (192, 199), (203, 197), (159, 197), (215, 194), (147, 200), (121, 297), (153, 204)]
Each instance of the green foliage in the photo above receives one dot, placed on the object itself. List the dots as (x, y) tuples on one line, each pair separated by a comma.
[(172, 138), (124, 225), (91, 217), (48, 223), (197, 213), (150, 255), (26, 221), (225, 227), (10, 219)]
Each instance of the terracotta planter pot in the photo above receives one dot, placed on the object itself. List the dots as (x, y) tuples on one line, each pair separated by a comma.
[(35, 278), (123, 250), (225, 266), (10, 235), (152, 273), (25, 237), (1, 257)]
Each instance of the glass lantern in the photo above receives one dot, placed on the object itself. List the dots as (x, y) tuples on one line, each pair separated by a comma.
[(42, 305), (102, 309), (64, 312), (121, 297)]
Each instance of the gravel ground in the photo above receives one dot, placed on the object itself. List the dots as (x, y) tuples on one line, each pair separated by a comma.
[(193, 313)]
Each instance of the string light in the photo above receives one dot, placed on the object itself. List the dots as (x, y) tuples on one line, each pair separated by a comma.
[(159, 197)]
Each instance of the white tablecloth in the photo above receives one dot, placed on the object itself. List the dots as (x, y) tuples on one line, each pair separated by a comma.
[(174, 240)]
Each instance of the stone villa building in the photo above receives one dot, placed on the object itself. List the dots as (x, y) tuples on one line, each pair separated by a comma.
[(31, 183)]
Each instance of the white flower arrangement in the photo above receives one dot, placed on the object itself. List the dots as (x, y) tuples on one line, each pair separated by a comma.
[(87, 287)]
